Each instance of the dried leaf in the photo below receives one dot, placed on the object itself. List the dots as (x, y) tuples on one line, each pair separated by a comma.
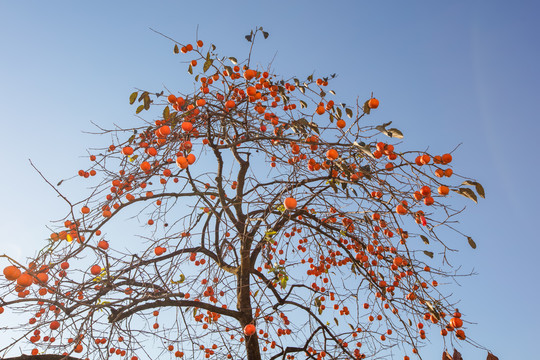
[(349, 113), (233, 60), (471, 242), (176, 50), (365, 108), (139, 109), (478, 186), (166, 112), (365, 149), (393, 132), (428, 253), (468, 193), (446, 356), (456, 355), (491, 357), (265, 34), (207, 64), (424, 239)]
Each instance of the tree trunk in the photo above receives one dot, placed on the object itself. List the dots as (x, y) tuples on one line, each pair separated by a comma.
[(244, 300)]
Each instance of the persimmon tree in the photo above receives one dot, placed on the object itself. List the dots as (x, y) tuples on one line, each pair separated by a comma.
[(271, 221)]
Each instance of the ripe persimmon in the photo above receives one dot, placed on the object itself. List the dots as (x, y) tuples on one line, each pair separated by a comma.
[(373, 103), (145, 166), (54, 325), (25, 280), (290, 203), (249, 74), (446, 158), (332, 154), (190, 159), (12, 272), (401, 210), (182, 162), (171, 99), (187, 126), (249, 329), (425, 159), (95, 270), (127, 150), (443, 190), (456, 322)]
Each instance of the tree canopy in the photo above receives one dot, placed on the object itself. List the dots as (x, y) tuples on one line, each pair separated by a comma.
[(273, 222)]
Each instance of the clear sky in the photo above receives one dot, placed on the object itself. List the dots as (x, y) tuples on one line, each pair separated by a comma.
[(446, 73)]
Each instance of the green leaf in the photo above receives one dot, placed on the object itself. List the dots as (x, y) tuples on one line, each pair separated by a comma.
[(133, 97), (233, 60), (471, 242), (207, 64), (133, 158), (428, 253), (176, 49), (349, 113), (468, 193), (139, 109), (424, 239), (478, 186)]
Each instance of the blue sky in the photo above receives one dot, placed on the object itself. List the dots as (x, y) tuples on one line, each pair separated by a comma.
[(447, 73)]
